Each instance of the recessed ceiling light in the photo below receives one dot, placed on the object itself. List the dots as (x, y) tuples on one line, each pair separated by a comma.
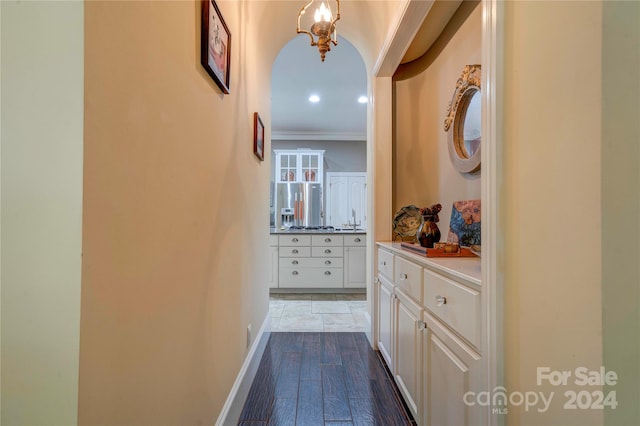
[(363, 99), (314, 98)]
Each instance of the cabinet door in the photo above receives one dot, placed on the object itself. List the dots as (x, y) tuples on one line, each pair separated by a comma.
[(384, 310), (310, 170), (358, 199), (287, 168), (408, 348), (337, 201), (346, 194), (355, 270), (450, 369)]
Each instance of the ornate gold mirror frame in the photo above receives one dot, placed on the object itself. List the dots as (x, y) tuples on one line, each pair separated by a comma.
[(465, 155)]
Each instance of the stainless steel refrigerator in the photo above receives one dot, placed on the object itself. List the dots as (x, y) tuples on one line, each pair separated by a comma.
[(298, 204)]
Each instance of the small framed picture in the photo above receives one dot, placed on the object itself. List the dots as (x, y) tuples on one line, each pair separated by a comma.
[(258, 136), (215, 45)]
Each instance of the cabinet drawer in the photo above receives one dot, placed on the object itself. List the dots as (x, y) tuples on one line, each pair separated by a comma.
[(312, 262), (355, 240), (408, 276), (310, 277), (326, 251), (326, 240), (294, 240), (385, 263), (457, 305), (295, 251)]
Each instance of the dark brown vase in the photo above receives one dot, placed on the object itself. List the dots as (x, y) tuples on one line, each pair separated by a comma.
[(428, 233)]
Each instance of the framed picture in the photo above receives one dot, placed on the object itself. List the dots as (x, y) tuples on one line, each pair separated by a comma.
[(258, 136), (215, 45)]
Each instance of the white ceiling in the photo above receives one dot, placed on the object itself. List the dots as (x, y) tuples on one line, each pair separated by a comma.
[(339, 81)]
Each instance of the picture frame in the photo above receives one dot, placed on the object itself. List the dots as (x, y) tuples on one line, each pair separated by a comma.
[(258, 136), (215, 45)]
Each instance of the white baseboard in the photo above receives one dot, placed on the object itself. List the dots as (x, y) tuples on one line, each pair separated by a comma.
[(238, 395), (369, 332)]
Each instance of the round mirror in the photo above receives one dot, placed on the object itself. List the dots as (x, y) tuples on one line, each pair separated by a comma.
[(465, 116)]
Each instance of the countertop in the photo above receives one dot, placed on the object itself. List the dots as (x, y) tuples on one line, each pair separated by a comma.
[(465, 268), (274, 231)]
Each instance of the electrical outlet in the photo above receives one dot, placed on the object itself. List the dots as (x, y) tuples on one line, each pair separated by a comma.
[(248, 335)]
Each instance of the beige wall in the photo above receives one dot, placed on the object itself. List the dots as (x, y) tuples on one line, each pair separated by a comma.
[(175, 214), (423, 173), (551, 193), (42, 103)]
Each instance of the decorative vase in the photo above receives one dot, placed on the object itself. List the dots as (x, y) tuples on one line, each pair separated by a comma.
[(428, 233)]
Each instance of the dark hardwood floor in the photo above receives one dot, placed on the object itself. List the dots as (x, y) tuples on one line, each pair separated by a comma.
[(328, 379)]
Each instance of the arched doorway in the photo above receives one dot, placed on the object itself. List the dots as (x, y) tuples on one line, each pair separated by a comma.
[(319, 113)]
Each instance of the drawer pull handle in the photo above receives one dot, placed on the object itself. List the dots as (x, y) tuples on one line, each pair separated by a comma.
[(294, 262), (357, 240), (327, 240), (422, 325), (294, 251), (295, 240), (327, 251), (403, 276), (294, 273), (327, 262), (327, 272), (441, 300), (384, 263)]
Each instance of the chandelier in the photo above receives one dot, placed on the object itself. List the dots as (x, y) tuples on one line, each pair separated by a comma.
[(323, 26)]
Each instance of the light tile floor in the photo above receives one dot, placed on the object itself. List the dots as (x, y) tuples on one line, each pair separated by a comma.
[(319, 312)]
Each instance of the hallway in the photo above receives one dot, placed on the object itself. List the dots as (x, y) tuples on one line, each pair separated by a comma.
[(322, 379)]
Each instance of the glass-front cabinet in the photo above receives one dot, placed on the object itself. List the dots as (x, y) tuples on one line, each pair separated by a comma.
[(301, 165)]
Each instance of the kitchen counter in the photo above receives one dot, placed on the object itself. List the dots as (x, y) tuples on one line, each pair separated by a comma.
[(274, 231)]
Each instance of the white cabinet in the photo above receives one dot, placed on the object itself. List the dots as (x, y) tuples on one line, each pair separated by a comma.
[(310, 261), (450, 370), (355, 261), (429, 324), (316, 261), (407, 348), (272, 262), (300, 165), (346, 194), (384, 309)]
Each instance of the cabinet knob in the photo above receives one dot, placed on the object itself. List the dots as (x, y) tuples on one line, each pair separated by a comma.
[(422, 325), (327, 272), (294, 273), (294, 262), (327, 262), (441, 300), (403, 276), (384, 263), (327, 240), (327, 251), (295, 240), (377, 280), (294, 251), (357, 240)]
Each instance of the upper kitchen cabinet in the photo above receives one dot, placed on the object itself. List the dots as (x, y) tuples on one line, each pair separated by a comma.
[(301, 165)]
